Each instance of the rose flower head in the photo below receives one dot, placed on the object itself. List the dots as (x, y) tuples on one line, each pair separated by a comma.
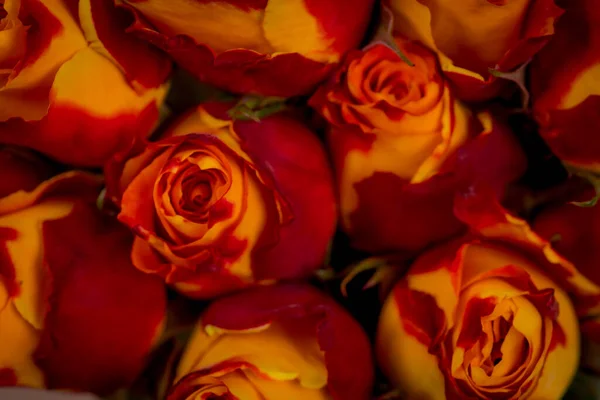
[(402, 145), (478, 41), (74, 86), (219, 204), (271, 343), (478, 320), (269, 47), (74, 313)]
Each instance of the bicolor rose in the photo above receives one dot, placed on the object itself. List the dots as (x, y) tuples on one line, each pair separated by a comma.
[(402, 145), (271, 343), (75, 93), (477, 40), (73, 315), (478, 319), (565, 88), (21, 170), (270, 47), (479, 209), (218, 205)]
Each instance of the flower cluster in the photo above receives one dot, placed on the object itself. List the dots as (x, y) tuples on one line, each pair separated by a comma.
[(299, 199)]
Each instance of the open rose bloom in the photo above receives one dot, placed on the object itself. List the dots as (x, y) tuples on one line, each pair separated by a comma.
[(403, 145), (227, 203), (299, 199), (64, 85), (483, 322), (70, 311), (304, 346)]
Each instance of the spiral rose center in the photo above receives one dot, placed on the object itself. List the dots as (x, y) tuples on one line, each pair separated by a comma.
[(13, 37), (197, 190), (494, 341), (493, 346)]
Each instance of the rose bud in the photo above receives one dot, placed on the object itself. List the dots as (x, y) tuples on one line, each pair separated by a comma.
[(478, 41), (565, 87), (73, 315), (232, 203), (268, 47), (71, 94), (478, 319), (401, 146), (278, 342), (21, 170)]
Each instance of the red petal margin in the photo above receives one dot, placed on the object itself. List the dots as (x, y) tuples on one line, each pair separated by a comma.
[(7, 268), (343, 21), (140, 61), (297, 162), (42, 27), (393, 214), (421, 316), (82, 185), (21, 170), (239, 70), (103, 315), (8, 377), (347, 350), (537, 31), (571, 132), (191, 383), (573, 232), (71, 136), (241, 4), (480, 210)]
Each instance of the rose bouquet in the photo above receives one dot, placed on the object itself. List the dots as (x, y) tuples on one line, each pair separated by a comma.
[(299, 199)]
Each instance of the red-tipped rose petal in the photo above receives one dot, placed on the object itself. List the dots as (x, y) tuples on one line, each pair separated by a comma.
[(103, 315), (301, 174), (346, 347)]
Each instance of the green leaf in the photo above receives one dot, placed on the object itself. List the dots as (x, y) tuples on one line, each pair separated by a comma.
[(594, 180), (384, 35), (519, 77), (255, 108)]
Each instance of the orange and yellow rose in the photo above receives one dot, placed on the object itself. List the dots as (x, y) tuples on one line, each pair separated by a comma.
[(473, 37), (72, 85), (279, 342), (218, 205), (478, 320), (565, 88), (402, 145), (269, 47), (72, 315)]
